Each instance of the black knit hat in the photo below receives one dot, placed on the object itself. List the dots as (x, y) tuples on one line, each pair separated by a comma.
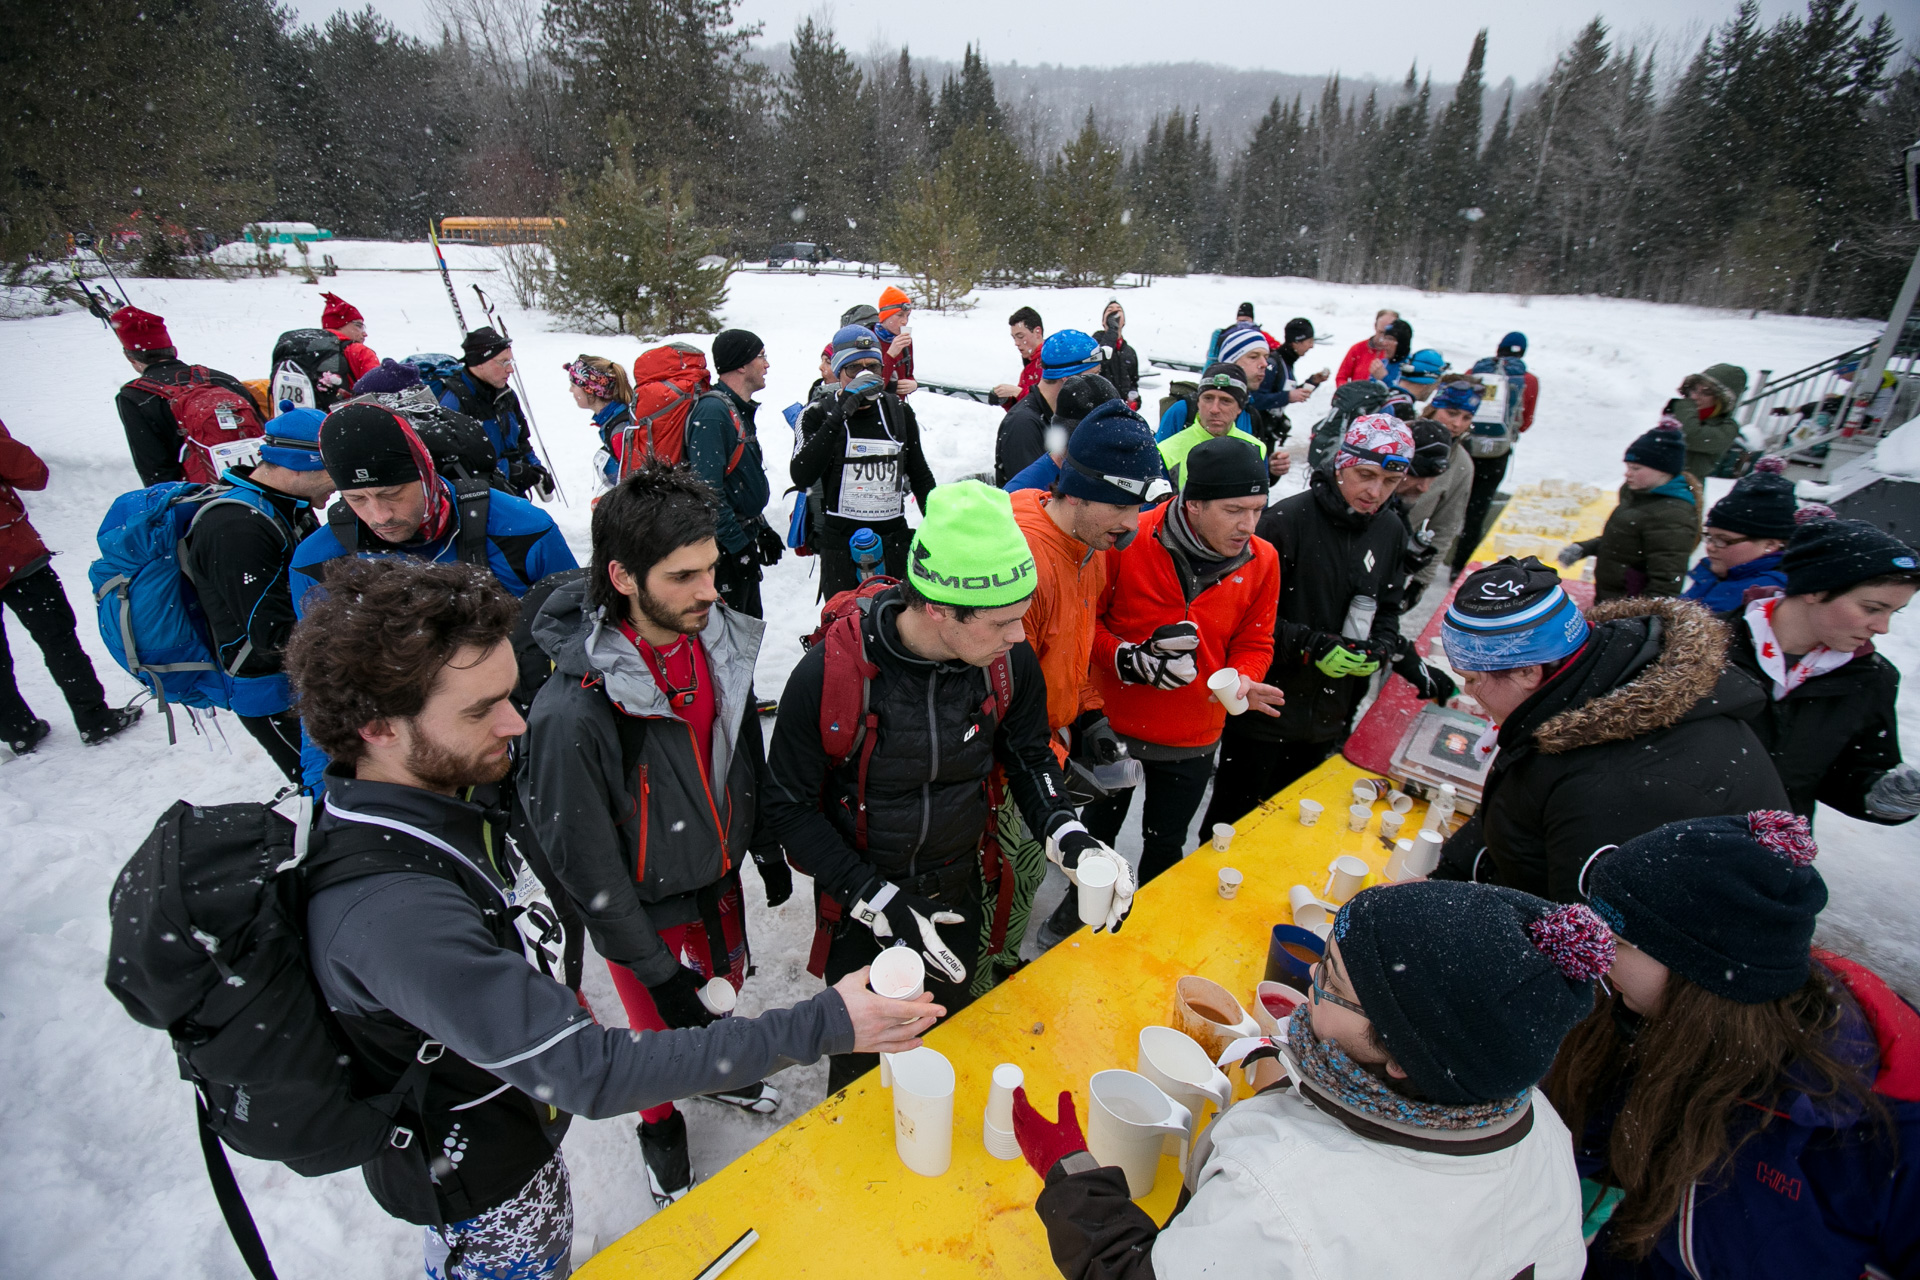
[(1832, 555), (365, 446), (1079, 396), (1401, 332), (1471, 986), (1245, 312), (1727, 903), (1230, 378), (1432, 448), (482, 345), (1297, 328), (1760, 505), (1512, 613), (735, 349), (1223, 468), (1662, 448)]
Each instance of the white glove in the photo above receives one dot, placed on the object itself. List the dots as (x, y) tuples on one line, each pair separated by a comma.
[(1070, 846), (871, 909), (1571, 555), (1896, 793), (1164, 659)]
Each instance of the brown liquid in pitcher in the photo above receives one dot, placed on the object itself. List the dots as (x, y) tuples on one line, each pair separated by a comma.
[(1212, 1012)]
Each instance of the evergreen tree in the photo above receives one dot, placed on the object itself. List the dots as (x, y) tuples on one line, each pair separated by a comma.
[(1088, 220), (933, 236), (825, 149)]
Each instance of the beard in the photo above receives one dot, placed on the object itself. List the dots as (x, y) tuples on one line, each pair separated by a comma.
[(439, 768), (689, 622)]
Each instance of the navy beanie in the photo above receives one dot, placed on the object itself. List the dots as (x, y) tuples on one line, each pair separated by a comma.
[(1760, 505), (387, 377), (1471, 986), (1401, 332), (735, 349), (1111, 457), (1662, 448), (1514, 344), (1832, 555), (366, 446), (1727, 903)]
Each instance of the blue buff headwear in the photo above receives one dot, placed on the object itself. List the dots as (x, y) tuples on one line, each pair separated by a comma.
[(1457, 395), (292, 440), (1066, 353), (1513, 613)]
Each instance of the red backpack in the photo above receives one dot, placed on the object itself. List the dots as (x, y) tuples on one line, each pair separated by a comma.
[(207, 415), (848, 724), (667, 383)]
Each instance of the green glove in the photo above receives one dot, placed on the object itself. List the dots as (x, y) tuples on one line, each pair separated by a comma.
[(1341, 661)]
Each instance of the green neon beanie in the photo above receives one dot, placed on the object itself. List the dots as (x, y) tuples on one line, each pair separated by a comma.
[(969, 551)]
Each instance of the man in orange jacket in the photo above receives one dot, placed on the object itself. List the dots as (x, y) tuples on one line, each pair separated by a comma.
[(1111, 466), (1194, 592)]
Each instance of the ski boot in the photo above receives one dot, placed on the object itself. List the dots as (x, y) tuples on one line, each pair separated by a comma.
[(31, 737), (119, 721), (663, 1147), (759, 1097)]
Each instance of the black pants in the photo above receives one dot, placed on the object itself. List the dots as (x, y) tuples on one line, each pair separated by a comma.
[(737, 583), (279, 735), (1487, 475), (836, 557), (1252, 770), (854, 947), (1174, 790), (40, 603)]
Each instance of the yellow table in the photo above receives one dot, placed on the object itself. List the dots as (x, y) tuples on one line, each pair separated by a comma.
[(827, 1192)]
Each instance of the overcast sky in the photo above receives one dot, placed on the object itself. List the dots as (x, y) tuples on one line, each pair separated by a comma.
[(1378, 39)]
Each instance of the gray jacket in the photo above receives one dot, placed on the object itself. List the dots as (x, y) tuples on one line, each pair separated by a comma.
[(1442, 510), (614, 786)]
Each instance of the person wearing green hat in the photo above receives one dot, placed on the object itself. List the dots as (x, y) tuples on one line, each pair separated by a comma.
[(891, 819)]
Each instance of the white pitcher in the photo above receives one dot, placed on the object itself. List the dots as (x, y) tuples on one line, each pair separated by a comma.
[(923, 1083), (1182, 1070), (1128, 1124)]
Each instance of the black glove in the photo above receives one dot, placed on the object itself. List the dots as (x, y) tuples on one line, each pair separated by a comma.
[(1322, 643), (1095, 741), (677, 1000), (775, 874), (1431, 683), (769, 546), (1377, 649), (1414, 591), (1417, 555)]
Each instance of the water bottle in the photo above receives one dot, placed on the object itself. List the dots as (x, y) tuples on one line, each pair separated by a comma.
[(1359, 621), (868, 558)]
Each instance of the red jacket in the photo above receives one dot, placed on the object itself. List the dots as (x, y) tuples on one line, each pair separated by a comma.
[(1143, 593), (20, 545), (1358, 364), (1528, 400), (360, 357), (1029, 379)]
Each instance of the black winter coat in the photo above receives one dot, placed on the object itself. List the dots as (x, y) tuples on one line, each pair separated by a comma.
[(1329, 553), (237, 561), (1122, 369), (1646, 725), (1022, 437), (153, 437), (1832, 737), (825, 425), (926, 790)]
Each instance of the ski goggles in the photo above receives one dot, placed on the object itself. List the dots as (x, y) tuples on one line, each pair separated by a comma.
[(597, 383)]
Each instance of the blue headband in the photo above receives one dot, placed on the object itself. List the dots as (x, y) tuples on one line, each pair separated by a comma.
[(1545, 631)]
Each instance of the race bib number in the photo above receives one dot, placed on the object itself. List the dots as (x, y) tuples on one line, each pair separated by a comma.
[(870, 481)]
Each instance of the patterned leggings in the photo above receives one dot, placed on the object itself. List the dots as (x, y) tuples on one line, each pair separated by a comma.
[(1029, 858), (530, 1237)]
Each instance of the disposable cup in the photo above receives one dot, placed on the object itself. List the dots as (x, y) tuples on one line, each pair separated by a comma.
[(1367, 790), (1097, 877), (1006, 1078), (1222, 836), (898, 973), (1224, 685), (1230, 882), (1207, 1011), (1309, 908), (1390, 824), (1426, 853), (1358, 815), (1346, 876), (1402, 803), (923, 1082), (1000, 1143), (719, 997), (1310, 811)]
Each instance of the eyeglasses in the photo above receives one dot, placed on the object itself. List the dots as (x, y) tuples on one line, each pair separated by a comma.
[(1321, 993), (1721, 541)]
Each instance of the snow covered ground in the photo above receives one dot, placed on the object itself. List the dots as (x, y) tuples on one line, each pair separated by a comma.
[(103, 1170)]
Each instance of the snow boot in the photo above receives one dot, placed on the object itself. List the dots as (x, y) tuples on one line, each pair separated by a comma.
[(24, 742), (759, 1097), (119, 720), (669, 1166)]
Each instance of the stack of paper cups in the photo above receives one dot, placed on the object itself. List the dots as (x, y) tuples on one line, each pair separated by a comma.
[(997, 1131)]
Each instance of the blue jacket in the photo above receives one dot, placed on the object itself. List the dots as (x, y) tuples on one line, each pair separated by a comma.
[(1039, 474), (1179, 417), (1722, 595), (1814, 1191), (523, 546), (499, 412), (609, 418)]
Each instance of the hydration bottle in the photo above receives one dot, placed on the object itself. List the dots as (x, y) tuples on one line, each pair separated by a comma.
[(868, 558)]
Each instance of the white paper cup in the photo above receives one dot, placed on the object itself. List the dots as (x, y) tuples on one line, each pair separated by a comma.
[(1097, 877), (1230, 882), (923, 1083), (1000, 1143), (1364, 792), (1346, 875), (1398, 859), (1358, 815), (1426, 853), (1309, 909), (1006, 1078), (1402, 803), (1222, 837), (1310, 811), (898, 973), (1224, 685), (719, 997), (1390, 824)]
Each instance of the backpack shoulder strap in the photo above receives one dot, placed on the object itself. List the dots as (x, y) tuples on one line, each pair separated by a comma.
[(999, 688), (472, 502), (739, 428), (848, 723), (345, 526)]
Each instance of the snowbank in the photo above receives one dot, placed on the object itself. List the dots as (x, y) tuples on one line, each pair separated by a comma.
[(103, 1171)]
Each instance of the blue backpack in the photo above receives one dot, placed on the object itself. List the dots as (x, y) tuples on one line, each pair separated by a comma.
[(435, 368), (150, 615)]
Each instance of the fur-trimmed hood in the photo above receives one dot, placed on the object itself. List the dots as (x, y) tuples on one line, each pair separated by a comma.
[(1650, 664)]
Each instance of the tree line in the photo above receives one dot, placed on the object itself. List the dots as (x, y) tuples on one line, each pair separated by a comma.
[(1764, 172)]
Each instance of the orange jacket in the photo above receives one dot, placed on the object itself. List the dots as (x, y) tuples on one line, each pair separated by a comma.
[(1235, 616), (1069, 580)]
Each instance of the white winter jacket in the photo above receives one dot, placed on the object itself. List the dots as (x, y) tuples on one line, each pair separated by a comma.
[(1292, 1186)]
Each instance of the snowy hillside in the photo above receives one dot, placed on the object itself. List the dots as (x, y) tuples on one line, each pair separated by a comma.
[(102, 1168)]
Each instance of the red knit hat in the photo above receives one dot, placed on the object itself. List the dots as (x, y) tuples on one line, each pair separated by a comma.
[(140, 330), (338, 312), (893, 300)]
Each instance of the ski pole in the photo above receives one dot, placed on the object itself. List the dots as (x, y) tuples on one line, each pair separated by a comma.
[(125, 300), (520, 390), (446, 278)]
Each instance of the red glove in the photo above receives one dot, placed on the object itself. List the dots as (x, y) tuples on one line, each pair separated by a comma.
[(1043, 1142)]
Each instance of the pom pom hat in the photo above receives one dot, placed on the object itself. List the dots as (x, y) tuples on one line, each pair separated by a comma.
[(1833, 555), (338, 312), (1471, 986), (1663, 449), (1239, 340), (1728, 903), (139, 330)]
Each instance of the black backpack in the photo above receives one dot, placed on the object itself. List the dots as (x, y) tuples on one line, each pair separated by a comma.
[(209, 945), (322, 357), (457, 442), (1352, 400)]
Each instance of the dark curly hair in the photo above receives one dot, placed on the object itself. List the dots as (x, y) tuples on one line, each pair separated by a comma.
[(641, 521), (373, 646)]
